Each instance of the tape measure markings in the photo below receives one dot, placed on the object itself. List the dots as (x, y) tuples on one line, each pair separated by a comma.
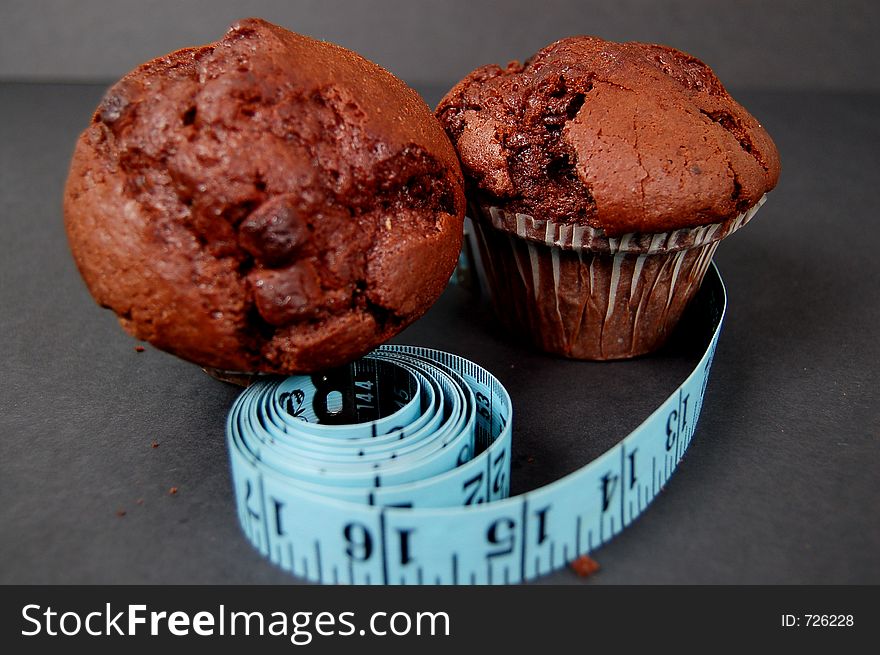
[(415, 513)]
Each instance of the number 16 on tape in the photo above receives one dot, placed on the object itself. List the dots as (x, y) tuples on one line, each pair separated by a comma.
[(459, 527)]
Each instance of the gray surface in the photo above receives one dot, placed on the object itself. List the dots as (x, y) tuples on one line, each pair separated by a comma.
[(750, 43), (780, 485)]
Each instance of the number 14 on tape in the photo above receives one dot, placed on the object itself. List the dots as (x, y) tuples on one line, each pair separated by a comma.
[(460, 527)]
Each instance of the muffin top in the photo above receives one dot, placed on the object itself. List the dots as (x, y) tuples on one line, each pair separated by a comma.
[(267, 202), (622, 137)]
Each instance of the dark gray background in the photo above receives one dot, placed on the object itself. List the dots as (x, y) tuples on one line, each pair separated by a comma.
[(782, 481), (749, 43)]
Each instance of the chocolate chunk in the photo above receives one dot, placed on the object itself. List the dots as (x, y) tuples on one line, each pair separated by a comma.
[(227, 202), (624, 137), (288, 294), (274, 231)]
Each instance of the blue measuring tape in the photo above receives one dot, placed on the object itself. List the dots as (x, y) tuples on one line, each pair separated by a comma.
[(396, 470)]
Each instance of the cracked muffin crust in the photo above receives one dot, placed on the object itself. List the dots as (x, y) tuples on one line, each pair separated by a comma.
[(267, 202), (601, 177), (622, 137)]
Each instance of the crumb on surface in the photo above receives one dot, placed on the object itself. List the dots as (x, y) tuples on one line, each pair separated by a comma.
[(172, 491), (154, 444), (139, 349), (120, 512), (584, 566)]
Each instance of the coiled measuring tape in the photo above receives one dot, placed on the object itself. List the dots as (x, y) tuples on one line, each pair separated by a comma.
[(396, 470)]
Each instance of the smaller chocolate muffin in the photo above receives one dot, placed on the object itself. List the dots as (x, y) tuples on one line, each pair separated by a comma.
[(267, 202), (601, 177)]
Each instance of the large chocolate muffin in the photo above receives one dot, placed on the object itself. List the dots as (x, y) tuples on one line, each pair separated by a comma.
[(267, 202), (601, 176)]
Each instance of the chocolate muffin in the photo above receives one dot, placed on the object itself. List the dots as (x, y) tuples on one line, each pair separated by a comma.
[(267, 202), (601, 177)]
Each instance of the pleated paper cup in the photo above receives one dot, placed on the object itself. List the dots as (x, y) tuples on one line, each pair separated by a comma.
[(578, 293), (238, 378)]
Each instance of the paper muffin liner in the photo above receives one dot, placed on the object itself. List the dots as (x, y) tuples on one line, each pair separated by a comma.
[(238, 378), (576, 292)]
